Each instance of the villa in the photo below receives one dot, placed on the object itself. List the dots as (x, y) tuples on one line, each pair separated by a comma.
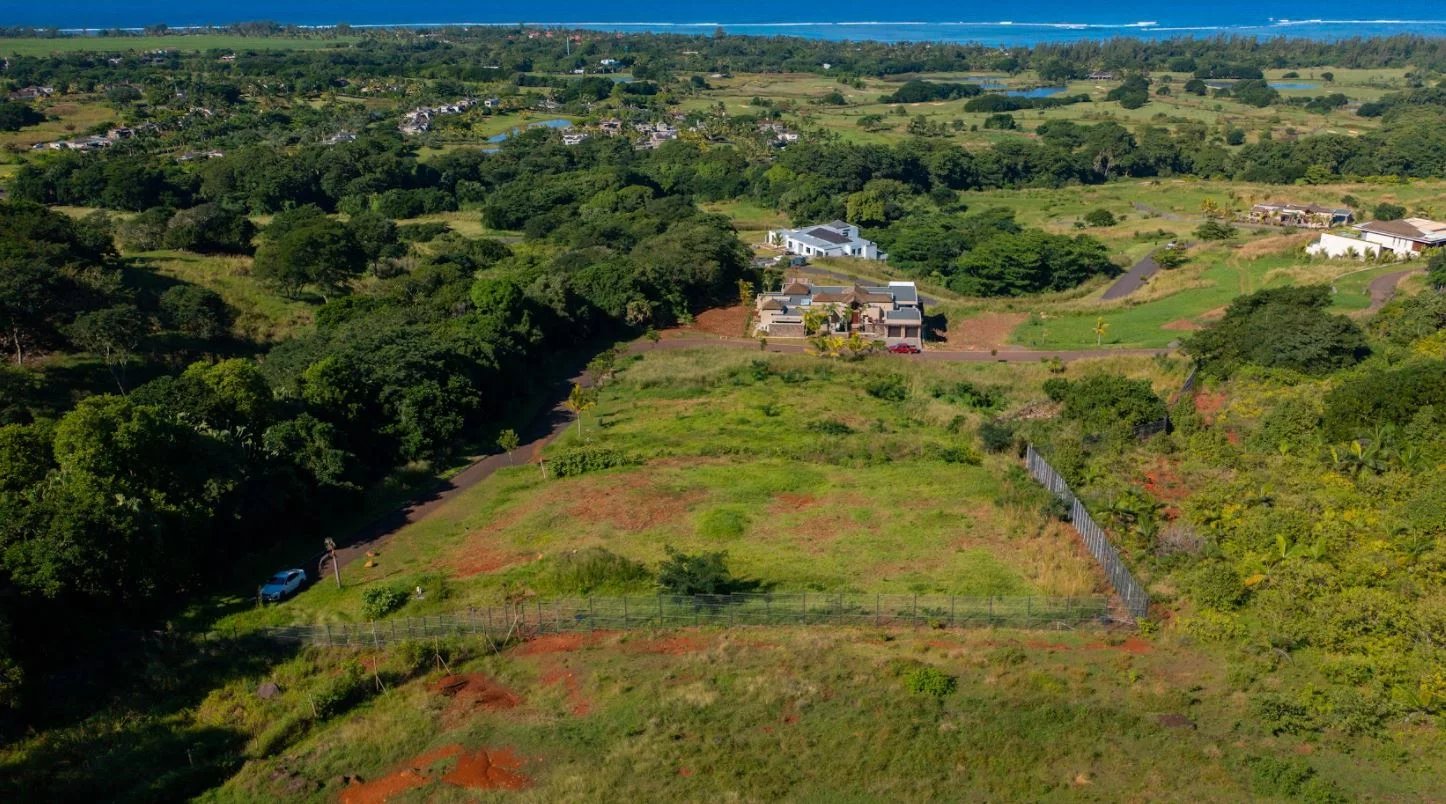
[(836, 239), (893, 313), (1404, 239), (1309, 216)]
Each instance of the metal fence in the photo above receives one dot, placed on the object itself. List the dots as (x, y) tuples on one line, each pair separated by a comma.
[(1136, 601), (537, 617)]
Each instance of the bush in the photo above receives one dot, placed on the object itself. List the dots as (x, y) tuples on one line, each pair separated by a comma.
[(1390, 397), (342, 692), (1103, 402), (701, 574), (890, 388), (593, 568), (379, 601), (194, 310), (1215, 230), (581, 460), (1285, 328), (997, 435), (1100, 217), (832, 427), (1389, 212), (1218, 586), (979, 397), (930, 681)]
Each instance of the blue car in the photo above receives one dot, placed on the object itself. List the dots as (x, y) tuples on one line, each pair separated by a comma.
[(282, 585)]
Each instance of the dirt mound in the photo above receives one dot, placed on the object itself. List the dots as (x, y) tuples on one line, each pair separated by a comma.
[(489, 769), (578, 703), (476, 691), (557, 643), (672, 646), (483, 769), (416, 773)]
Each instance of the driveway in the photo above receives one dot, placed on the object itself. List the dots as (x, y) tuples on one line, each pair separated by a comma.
[(1133, 279)]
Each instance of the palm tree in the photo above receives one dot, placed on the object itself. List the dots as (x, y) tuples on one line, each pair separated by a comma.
[(581, 399)]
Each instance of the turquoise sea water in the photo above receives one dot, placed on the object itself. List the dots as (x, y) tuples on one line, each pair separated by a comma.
[(1041, 21)]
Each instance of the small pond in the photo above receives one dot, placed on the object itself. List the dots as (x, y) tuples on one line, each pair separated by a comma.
[(1037, 92)]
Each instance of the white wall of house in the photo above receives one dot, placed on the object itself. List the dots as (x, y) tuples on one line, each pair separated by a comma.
[(1400, 245), (1335, 246)]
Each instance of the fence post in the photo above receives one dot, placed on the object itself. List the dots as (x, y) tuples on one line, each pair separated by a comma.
[(951, 611), (328, 634), (660, 612), (803, 607), (915, 613), (876, 608), (591, 615), (1028, 611), (625, 612)]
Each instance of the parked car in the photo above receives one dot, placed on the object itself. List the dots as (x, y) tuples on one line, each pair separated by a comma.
[(283, 585), (904, 349)]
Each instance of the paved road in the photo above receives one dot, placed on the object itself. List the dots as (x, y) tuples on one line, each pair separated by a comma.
[(1133, 279), (1383, 288), (556, 418)]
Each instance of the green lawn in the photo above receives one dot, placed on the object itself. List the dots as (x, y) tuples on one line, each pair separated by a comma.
[(261, 315)]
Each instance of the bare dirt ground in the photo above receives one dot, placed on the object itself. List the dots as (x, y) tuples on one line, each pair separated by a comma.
[(980, 333), (726, 322)]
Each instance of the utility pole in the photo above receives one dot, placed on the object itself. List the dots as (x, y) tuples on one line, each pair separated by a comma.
[(335, 565)]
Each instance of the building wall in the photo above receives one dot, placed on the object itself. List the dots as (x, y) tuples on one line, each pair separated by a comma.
[(1335, 246), (1400, 245)]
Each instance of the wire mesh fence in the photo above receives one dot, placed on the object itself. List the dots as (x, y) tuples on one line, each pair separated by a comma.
[(538, 617), (1136, 601)]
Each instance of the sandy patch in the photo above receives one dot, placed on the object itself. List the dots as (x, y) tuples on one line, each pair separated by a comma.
[(629, 502)]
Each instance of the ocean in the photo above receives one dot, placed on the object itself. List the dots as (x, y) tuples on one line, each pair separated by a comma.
[(1041, 21)]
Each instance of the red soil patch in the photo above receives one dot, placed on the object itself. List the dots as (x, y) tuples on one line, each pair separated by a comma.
[(478, 560), (725, 321), (557, 643), (629, 502), (1164, 483), (578, 703), (475, 691), (787, 501), (673, 646), (415, 774), (489, 769), (685, 772), (982, 332), (1209, 405)]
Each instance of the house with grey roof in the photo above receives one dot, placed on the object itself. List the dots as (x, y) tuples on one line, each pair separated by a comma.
[(1403, 239), (891, 313), (836, 239), (1310, 216)]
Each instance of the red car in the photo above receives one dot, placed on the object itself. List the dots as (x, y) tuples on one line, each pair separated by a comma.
[(904, 349)]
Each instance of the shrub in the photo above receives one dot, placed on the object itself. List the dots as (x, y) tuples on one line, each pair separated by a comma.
[(1389, 212), (1106, 401), (581, 460), (1100, 217), (1215, 230), (1280, 328), (955, 454), (979, 397), (379, 601), (1391, 396), (341, 692), (890, 388), (997, 435), (831, 427), (1218, 586), (930, 681), (701, 574), (593, 568)]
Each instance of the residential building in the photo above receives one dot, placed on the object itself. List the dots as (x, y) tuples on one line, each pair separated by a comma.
[(836, 239), (1403, 239), (1309, 216), (339, 138), (574, 138), (892, 313)]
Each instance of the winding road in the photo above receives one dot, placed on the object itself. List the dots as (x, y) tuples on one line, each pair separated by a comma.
[(557, 417), (1133, 279), (1383, 288)]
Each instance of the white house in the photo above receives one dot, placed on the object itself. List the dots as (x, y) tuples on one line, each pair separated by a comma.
[(1404, 238), (836, 239)]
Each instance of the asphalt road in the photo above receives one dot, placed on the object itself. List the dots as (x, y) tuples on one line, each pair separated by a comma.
[(1383, 288), (1133, 279)]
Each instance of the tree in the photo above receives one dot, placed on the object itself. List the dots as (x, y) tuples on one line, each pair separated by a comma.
[(1436, 269), (700, 574), (581, 400), (1214, 229), (1100, 330), (1235, 136), (1386, 211), (15, 116), (1100, 217), (209, 229), (31, 299), (196, 311), (323, 254), (1029, 262), (113, 333), (508, 441), (1285, 328)]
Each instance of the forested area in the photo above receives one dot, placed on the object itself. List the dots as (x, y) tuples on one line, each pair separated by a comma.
[(113, 510)]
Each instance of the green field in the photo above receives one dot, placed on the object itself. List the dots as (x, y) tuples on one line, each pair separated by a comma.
[(261, 315), (788, 463), (29, 46)]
